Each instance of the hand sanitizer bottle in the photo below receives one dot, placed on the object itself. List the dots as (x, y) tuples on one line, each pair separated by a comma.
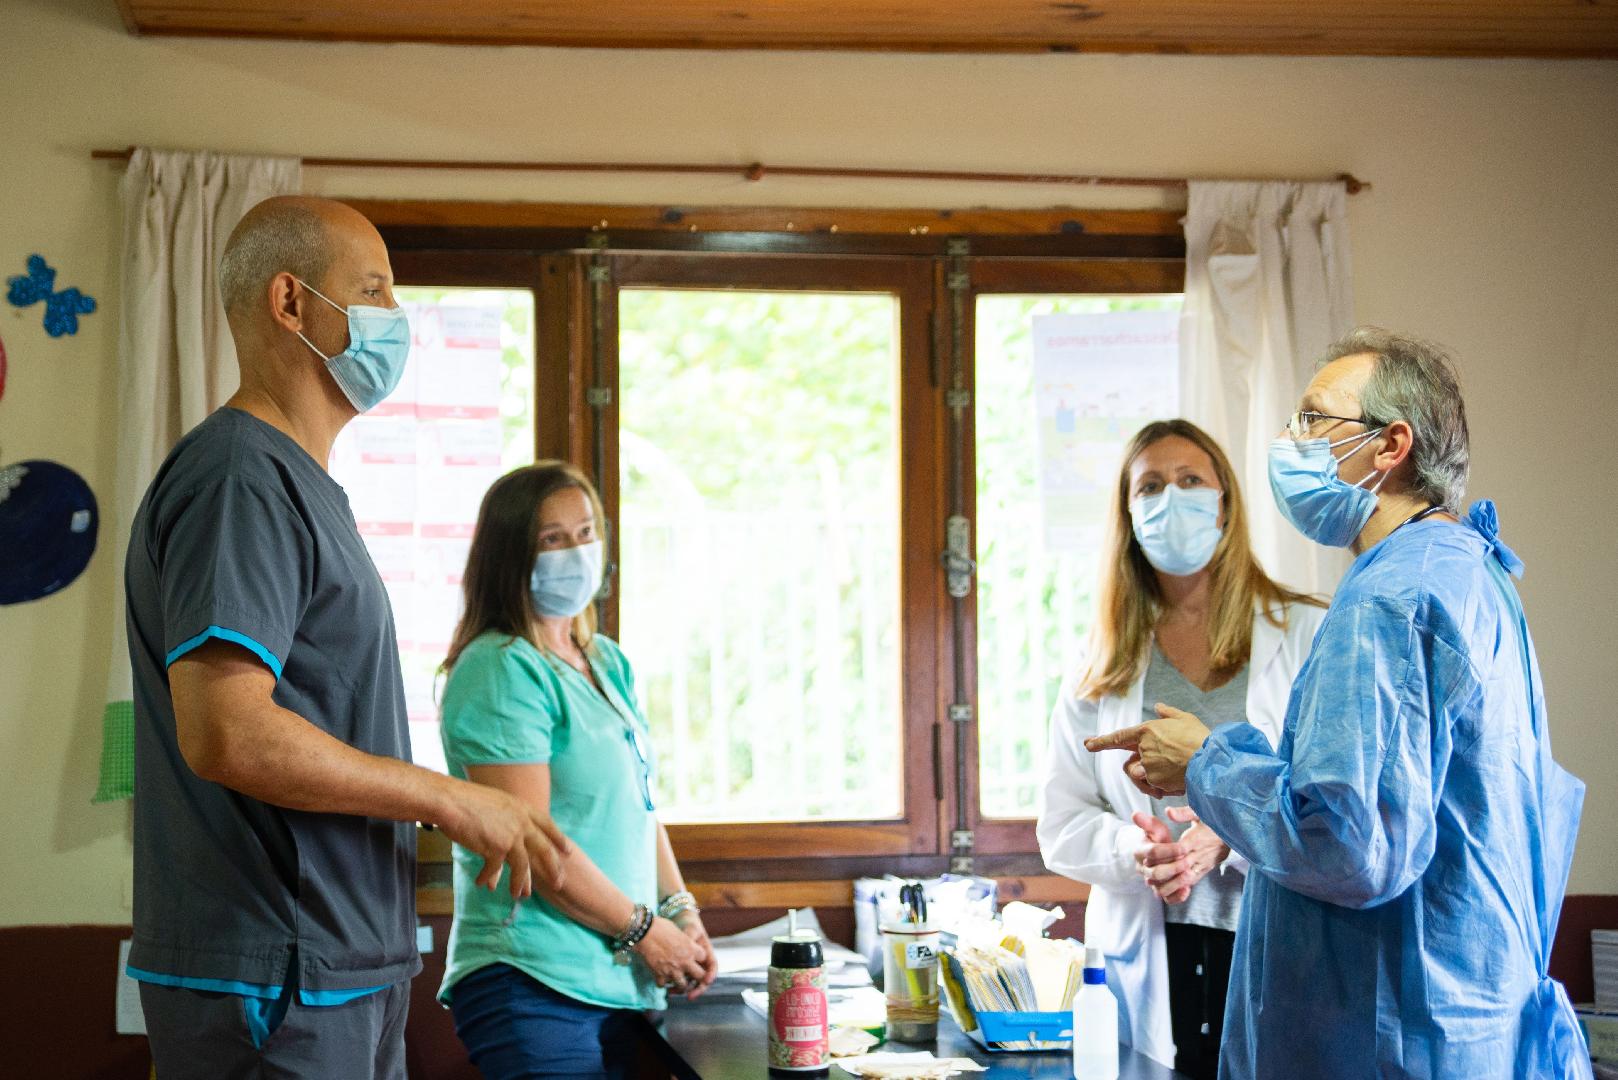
[(1095, 1023)]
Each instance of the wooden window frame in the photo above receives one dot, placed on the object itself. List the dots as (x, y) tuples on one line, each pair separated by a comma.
[(990, 277), (550, 250)]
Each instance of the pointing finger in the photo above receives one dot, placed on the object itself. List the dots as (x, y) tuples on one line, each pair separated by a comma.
[(1123, 739)]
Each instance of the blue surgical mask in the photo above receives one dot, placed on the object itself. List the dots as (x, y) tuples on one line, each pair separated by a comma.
[(1310, 494), (564, 581), (1178, 528), (378, 347)]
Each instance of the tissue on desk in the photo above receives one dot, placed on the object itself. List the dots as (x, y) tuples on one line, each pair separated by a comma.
[(918, 1066)]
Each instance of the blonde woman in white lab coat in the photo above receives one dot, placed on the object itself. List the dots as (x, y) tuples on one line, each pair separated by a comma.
[(1184, 611)]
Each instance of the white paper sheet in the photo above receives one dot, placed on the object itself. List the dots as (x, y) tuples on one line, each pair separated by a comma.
[(127, 1016)]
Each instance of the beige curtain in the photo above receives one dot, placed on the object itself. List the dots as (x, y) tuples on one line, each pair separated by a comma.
[(1266, 290), (175, 356)]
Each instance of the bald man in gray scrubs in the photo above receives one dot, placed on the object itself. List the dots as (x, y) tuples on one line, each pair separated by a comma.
[(275, 801)]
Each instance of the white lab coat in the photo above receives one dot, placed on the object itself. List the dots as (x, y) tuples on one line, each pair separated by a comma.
[(1085, 831)]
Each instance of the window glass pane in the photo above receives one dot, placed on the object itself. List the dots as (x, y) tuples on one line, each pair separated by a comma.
[(759, 538), (1039, 517), (416, 467)]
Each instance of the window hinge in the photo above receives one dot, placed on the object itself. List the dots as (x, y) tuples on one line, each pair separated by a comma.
[(961, 841), (958, 564), (961, 714), (598, 397)]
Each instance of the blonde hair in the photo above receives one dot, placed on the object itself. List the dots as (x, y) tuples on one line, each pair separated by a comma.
[(1129, 601)]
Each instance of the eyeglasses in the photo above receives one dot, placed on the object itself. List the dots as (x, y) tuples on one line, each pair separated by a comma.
[(1299, 423), (632, 733)]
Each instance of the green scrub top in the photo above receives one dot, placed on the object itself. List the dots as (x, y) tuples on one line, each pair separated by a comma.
[(507, 703)]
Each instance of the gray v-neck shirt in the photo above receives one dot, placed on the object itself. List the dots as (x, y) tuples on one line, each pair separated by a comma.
[(1216, 900)]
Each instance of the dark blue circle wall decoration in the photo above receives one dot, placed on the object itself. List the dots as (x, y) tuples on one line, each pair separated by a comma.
[(62, 309), (48, 524)]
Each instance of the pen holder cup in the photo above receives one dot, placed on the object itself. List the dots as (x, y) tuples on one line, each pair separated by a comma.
[(910, 981)]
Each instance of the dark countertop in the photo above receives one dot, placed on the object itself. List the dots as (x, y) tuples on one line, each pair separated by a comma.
[(719, 1038)]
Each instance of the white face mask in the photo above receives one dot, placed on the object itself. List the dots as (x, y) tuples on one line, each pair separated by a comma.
[(564, 581), (1177, 528)]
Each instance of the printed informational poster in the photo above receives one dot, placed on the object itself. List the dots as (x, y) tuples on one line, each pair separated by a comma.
[(1097, 380), (415, 469)]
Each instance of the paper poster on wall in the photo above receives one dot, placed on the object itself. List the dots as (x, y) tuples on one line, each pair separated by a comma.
[(415, 469), (1098, 378), (456, 353)]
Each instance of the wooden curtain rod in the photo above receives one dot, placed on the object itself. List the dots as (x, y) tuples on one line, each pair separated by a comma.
[(753, 172)]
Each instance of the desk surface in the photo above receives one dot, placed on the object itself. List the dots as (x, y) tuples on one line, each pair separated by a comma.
[(719, 1038)]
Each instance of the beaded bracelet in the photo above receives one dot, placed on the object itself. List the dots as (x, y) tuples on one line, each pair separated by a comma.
[(640, 923), (677, 904)]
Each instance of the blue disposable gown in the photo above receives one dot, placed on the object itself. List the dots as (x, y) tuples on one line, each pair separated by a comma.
[(1410, 837)]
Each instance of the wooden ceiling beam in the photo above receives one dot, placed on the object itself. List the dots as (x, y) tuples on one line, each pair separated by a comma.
[(1531, 28)]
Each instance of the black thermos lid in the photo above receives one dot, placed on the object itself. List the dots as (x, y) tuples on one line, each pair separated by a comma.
[(799, 949)]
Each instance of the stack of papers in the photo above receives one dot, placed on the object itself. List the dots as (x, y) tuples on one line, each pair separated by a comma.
[(1037, 975), (744, 958)]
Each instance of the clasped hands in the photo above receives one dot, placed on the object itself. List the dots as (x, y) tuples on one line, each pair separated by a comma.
[(1171, 867), (1159, 750)]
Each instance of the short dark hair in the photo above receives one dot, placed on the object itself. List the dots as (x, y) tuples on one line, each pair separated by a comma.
[(284, 238)]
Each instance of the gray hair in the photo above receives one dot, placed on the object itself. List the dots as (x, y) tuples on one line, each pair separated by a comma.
[(1414, 381), (271, 239)]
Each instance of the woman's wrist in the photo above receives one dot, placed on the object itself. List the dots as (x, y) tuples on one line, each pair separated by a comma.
[(676, 904), (633, 933)]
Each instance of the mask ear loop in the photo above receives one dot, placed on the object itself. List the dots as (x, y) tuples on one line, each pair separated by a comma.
[(1365, 440), (328, 300)]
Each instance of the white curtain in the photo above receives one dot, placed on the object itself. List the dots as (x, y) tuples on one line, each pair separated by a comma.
[(1266, 290), (176, 359)]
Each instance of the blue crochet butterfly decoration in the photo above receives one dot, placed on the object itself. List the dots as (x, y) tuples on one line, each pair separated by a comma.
[(62, 309)]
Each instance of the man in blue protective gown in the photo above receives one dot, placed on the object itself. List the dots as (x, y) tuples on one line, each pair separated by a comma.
[(1410, 837)]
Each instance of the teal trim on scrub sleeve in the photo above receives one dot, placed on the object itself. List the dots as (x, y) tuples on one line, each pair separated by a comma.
[(226, 634)]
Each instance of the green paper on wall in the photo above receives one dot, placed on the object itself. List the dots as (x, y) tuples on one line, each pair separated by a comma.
[(117, 753)]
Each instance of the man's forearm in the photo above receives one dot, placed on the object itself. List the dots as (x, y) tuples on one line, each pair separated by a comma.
[(276, 756)]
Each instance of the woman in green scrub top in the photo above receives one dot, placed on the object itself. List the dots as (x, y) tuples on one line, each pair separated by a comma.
[(539, 704)]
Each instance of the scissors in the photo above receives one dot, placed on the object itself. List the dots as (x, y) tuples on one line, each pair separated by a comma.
[(914, 898)]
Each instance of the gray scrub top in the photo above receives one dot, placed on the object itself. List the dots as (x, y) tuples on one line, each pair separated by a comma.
[(243, 537)]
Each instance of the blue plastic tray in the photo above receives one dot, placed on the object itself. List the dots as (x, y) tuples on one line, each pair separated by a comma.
[(1052, 1030)]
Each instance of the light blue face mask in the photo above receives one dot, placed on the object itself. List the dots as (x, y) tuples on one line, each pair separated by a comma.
[(564, 581), (378, 348), (1178, 528), (1310, 494)]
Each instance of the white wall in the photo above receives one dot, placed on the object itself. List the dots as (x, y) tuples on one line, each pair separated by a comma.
[(1492, 226)]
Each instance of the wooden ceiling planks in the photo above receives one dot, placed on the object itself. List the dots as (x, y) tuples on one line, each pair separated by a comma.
[(1484, 28)]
